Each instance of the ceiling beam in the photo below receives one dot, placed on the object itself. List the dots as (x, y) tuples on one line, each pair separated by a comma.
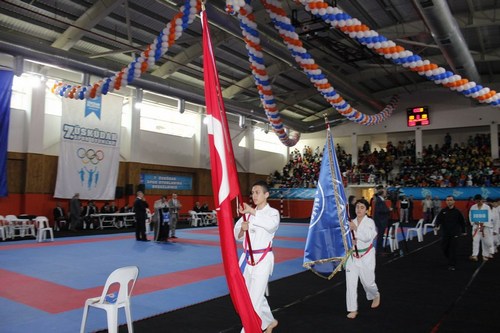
[(87, 21), (187, 55)]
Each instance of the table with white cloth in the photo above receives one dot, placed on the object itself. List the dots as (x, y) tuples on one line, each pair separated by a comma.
[(116, 220)]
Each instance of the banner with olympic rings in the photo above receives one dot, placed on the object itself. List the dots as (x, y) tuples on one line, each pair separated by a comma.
[(90, 148)]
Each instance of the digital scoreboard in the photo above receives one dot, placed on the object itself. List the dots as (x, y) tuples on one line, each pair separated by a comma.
[(418, 116)]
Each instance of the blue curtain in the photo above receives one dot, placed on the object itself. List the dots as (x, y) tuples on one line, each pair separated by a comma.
[(6, 78)]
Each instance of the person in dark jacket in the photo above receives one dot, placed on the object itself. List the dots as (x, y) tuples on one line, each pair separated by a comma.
[(140, 206), (352, 207), (381, 214), (451, 222)]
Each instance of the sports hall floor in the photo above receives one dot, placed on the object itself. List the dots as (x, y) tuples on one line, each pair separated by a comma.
[(181, 286)]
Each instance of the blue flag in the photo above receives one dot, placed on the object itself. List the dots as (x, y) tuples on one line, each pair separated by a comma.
[(328, 240), (6, 78)]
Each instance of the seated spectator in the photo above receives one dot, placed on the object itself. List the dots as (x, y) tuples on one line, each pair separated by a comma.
[(87, 213), (60, 218), (113, 208), (204, 208), (197, 207), (126, 209), (106, 209)]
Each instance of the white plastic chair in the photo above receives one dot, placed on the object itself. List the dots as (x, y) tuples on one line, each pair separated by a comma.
[(42, 226), (431, 225), (16, 225), (212, 219), (4, 228), (125, 278), (392, 237), (195, 219), (417, 231)]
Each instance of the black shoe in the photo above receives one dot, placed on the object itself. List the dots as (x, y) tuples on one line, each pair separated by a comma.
[(451, 268), (174, 237)]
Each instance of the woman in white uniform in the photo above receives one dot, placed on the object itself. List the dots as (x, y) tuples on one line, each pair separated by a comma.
[(261, 223), (361, 264)]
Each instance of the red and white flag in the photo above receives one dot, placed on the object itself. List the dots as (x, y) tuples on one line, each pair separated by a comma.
[(225, 184)]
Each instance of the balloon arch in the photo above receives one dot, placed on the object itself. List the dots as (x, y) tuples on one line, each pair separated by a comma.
[(332, 15)]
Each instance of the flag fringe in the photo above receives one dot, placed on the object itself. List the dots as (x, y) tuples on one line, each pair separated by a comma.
[(309, 265)]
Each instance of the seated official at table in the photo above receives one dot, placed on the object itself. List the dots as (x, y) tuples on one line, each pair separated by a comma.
[(197, 207), (60, 217), (106, 209), (86, 215), (126, 209), (113, 208), (204, 208)]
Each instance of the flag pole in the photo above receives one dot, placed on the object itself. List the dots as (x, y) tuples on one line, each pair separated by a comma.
[(239, 197), (225, 184), (247, 234), (325, 115)]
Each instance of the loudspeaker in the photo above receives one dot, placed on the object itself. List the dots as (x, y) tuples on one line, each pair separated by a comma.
[(141, 188), (129, 189), (119, 192)]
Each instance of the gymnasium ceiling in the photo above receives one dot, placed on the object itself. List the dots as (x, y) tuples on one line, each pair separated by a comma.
[(100, 37)]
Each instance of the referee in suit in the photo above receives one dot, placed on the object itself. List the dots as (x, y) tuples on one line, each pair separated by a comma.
[(140, 206)]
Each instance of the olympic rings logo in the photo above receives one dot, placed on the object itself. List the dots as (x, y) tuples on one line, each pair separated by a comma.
[(90, 155)]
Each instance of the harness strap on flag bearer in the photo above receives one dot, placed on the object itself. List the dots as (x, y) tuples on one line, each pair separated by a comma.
[(360, 253), (264, 252)]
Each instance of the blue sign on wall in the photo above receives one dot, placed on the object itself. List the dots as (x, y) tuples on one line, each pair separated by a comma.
[(158, 181), (418, 193)]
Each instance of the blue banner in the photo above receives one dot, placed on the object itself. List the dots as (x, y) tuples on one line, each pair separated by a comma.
[(154, 181), (328, 240), (6, 78), (292, 193), (418, 193), (459, 193)]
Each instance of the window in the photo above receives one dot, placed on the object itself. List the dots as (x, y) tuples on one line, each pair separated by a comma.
[(53, 102), (268, 142), (166, 119), (21, 93)]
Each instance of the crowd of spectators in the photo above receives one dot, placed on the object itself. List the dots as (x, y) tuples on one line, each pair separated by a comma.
[(449, 165)]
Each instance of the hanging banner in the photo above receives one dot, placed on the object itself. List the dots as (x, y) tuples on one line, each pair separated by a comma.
[(90, 148), (6, 78)]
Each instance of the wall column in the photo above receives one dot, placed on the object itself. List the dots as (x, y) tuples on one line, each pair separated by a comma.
[(135, 128), (418, 143), (354, 148)]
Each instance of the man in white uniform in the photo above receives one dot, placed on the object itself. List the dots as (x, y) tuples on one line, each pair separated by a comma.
[(481, 218), (261, 223)]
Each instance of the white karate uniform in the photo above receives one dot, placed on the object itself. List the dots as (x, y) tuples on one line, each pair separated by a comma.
[(496, 228), (262, 228), (485, 237), (362, 267)]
